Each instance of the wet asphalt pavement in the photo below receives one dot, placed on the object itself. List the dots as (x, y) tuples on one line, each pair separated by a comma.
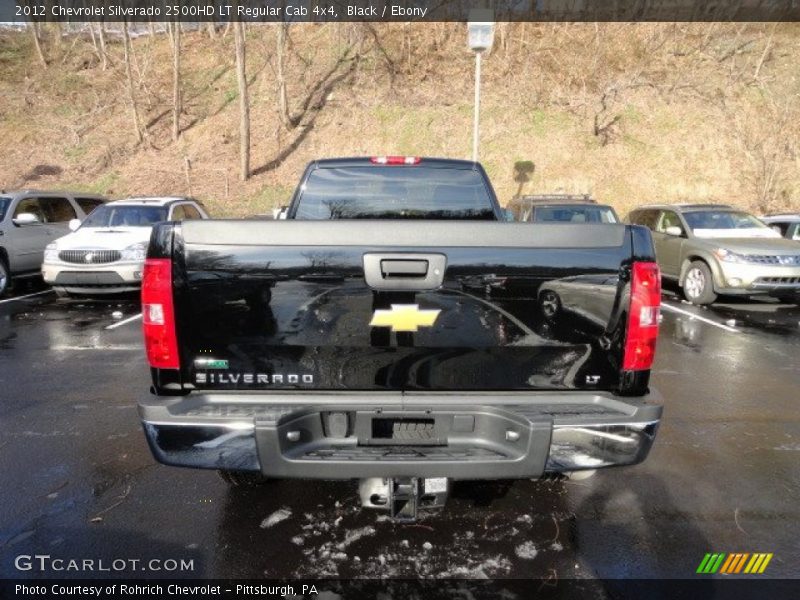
[(78, 480)]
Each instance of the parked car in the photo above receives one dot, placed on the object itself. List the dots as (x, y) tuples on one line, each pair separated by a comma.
[(788, 225), (370, 362), (31, 219), (588, 298), (560, 208), (712, 249), (105, 254)]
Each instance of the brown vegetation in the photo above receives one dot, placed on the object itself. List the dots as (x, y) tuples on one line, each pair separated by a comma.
[(629, 112)]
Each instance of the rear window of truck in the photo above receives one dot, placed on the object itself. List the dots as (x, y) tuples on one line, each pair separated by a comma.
[(390, 192), (4, 204)]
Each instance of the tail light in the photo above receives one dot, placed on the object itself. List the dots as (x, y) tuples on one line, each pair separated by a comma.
[(158, 314), (395, 160), (640, 343)]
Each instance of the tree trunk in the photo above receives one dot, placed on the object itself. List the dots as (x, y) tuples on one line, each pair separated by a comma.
[(126, 42), (37, 44), (244, 102), (283, 103), (94, 38), (177, 101), (102, 36), (212, 30)]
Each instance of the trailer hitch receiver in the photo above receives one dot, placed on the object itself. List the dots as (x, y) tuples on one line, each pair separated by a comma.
[(404, 497)]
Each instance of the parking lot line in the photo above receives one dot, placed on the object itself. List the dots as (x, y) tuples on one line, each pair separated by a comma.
[(124, 322), (699, 318), (26, 296)]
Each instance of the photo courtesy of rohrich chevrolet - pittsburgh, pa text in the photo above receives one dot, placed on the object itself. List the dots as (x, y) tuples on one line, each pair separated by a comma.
[(400, 299)]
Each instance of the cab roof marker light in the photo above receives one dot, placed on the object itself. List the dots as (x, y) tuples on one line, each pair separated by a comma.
[(395, 160)]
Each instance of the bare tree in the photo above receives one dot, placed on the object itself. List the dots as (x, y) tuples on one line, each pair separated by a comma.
[(212, 30), (102, 35), (37, 44), (177, 100), (244, 101), (126, 43), (283, 103)]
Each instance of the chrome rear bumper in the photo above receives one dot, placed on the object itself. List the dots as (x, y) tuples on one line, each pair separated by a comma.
[(493, 436)]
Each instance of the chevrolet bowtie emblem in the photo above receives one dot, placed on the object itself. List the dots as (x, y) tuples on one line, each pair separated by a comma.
[(404, 317)]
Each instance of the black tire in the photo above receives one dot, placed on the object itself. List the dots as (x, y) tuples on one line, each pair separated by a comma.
[(698, 284), (243, 479), (5, 277)]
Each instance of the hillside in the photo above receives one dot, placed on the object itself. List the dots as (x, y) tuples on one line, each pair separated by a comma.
[(630, 113)]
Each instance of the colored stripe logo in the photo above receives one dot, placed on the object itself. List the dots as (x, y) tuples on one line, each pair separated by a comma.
[(734, 563)]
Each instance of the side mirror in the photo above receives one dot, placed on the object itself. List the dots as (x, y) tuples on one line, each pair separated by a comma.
[(25, 219), (674, 230), (74, 224)]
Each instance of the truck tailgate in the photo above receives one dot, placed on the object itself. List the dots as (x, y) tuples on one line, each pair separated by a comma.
[(400, 306)]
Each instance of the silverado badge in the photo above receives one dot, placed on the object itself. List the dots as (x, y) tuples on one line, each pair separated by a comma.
[(404, 317)]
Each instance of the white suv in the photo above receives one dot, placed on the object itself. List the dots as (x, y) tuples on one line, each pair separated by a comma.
[(105, 254)]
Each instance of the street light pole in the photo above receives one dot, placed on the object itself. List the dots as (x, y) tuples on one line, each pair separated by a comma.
[(477, 109), (480, 36)]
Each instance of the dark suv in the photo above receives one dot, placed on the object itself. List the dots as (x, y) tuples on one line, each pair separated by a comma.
[(560, 208), (29, 220)]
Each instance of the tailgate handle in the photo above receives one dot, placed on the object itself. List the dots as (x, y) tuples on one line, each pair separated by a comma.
[(404, 268), (404, 272)]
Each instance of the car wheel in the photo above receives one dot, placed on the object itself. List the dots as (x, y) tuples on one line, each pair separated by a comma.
[(550, 304), (243, 478), (698, 285), (5, 277)]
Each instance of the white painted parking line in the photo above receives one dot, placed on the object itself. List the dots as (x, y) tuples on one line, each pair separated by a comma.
[(26, 296), (124, 321), (698, 317), (106, 348)]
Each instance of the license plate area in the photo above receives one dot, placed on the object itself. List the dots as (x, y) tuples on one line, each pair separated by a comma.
[(401, 430)]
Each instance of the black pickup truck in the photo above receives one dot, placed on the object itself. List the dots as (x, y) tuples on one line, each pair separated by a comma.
[(393, 330)]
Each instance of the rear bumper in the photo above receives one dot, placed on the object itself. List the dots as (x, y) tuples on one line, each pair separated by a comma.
[(471, 436)]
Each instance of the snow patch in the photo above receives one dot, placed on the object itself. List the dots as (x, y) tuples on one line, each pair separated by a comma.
[(276, 517), (355, 535), (526, 550)]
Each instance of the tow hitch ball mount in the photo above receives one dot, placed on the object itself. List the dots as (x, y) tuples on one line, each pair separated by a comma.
[(403, 496)]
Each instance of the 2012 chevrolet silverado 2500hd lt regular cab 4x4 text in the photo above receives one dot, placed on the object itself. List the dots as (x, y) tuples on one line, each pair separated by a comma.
[(393, 330)]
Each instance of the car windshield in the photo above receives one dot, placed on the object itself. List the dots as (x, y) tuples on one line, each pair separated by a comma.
[(726, 223), (125, 216), (394, 193), (4, 204), (574, 214)]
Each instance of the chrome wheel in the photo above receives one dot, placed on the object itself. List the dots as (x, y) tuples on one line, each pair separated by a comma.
[(695, 283)]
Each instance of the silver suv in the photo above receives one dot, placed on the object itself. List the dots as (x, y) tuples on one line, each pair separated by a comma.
[(29, 220), (712, 249)]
